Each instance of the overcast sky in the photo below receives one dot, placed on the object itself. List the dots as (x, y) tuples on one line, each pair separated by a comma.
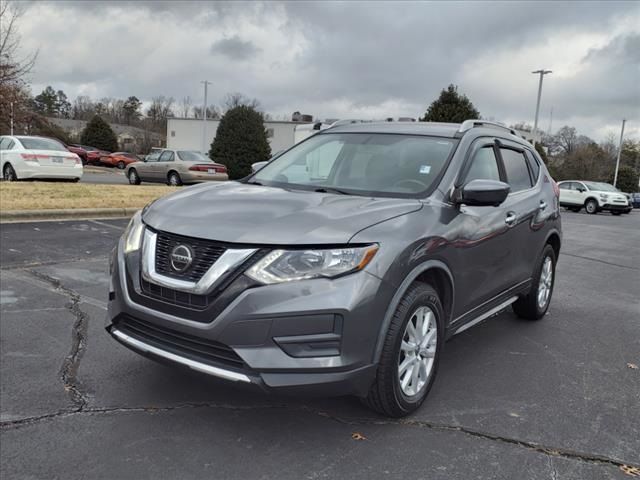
[(352, 60)]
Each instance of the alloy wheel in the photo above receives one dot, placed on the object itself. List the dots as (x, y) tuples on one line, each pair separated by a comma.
[(545, 283), (417, 351)]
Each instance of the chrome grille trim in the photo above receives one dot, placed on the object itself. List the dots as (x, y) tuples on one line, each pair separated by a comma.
[(226, 263)]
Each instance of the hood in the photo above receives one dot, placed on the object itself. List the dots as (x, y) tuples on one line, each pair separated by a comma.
[(253, 214)]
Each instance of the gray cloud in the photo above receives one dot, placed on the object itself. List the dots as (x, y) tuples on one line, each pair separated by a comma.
[(235, 48), (349, 59)]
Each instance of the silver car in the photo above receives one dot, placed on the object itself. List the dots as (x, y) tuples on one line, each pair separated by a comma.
[(176, 167)]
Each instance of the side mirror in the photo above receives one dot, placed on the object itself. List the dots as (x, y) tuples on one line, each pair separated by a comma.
[(481, 193), (582, 190)]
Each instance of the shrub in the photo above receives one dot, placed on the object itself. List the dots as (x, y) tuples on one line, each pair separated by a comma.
[(240, 141), (99, 134)]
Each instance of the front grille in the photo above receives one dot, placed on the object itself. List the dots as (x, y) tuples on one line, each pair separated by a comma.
[(204, 252), (178, 343), (175, 297)]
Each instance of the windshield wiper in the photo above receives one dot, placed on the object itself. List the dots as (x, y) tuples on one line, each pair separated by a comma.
[(330, 190)]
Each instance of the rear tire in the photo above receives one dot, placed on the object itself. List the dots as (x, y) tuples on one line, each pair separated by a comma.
[(74, 180), (531, 307), (392, 393), (121, 165), (591, 206), (9, 174), (174, 179)]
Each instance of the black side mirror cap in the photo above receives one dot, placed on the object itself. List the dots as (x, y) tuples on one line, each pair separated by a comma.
[(481, 193)]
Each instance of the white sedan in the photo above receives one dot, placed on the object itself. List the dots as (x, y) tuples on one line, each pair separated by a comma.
[(23, 157)]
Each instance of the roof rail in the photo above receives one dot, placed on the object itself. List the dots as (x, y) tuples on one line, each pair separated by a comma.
[(469, 124)]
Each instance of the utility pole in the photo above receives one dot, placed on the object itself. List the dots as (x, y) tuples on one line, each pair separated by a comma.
[(542, 72), (615, 176), (11, 118), (204, 118)]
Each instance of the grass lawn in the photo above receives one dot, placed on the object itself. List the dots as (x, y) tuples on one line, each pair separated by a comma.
[(45, 195)]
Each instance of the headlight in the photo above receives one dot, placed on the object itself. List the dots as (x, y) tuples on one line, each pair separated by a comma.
[(604, 196), (133, 234), (289, 265)]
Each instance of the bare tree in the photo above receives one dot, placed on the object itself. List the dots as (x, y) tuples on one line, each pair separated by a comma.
[(232, 100), (213, 113), (185, 107), (12, 68)]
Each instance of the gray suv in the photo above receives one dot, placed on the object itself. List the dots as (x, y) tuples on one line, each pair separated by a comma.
[(343, 265)]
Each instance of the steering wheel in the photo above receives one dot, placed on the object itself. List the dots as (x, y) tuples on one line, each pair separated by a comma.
[(411, 181)]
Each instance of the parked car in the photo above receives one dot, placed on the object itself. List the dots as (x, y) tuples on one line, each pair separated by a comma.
[(94, 156), (594, 197), (635, 200), (176, 167), (119, 159), (82, 151), (348, 280), (23, 157)]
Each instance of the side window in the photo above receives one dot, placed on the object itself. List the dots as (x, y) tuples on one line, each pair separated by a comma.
[(515, 166), (484, 166), (534, 165), (565, 186), (167, 156), (3, 143)]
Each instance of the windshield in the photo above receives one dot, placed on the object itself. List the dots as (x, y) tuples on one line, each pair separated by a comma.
[(361, 164), (601, 187), (35, 143), (190, 156)]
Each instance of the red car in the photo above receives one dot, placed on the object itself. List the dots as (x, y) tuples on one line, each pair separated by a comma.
[(82, 151), (95, 156), (119, 159)]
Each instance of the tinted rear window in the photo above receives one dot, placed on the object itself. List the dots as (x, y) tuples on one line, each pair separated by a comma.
[(34, 143), (515, 166)]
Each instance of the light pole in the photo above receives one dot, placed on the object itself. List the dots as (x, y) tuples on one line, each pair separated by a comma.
[(204, 118), (11, 118), (542, 72), (615, 176)]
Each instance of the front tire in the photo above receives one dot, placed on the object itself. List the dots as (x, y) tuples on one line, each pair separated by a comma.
[(616, 212), (9, 174), (174, 179), (591, 206), (535, 304), (134, 179), (410, 354), (121, 165)]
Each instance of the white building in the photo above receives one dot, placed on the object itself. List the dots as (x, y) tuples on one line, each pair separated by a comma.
[(186, 134)]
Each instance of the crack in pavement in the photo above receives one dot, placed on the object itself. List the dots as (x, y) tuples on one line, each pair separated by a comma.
[(69, 369), (598, 260), (550, 451)]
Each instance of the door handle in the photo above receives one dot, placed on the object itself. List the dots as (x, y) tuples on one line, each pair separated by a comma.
[(543, 205), (510, 219)]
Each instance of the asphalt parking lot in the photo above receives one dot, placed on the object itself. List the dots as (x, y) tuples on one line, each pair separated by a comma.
[(559, 398)]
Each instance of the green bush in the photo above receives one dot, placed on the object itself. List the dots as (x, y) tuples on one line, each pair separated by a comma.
[(627, 179), (240, 141), (99, 134)]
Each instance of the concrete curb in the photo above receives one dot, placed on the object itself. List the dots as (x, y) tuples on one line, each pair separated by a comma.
[(11, 216)]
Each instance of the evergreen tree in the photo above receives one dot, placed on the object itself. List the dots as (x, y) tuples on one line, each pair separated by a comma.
[(46, 102), (451, 107), (131, 109), (240, 141), (627, 179), (99, 134)]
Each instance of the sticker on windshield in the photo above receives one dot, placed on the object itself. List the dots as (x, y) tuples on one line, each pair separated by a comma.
[(425, 169)]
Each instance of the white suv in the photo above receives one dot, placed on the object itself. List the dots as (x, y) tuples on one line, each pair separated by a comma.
[(593, 196)]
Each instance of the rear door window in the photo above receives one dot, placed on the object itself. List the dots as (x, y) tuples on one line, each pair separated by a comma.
[(515, 166), (533, 165)]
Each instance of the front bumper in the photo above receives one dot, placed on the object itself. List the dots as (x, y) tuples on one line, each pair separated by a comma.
[(616, 207), (312, 337)]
